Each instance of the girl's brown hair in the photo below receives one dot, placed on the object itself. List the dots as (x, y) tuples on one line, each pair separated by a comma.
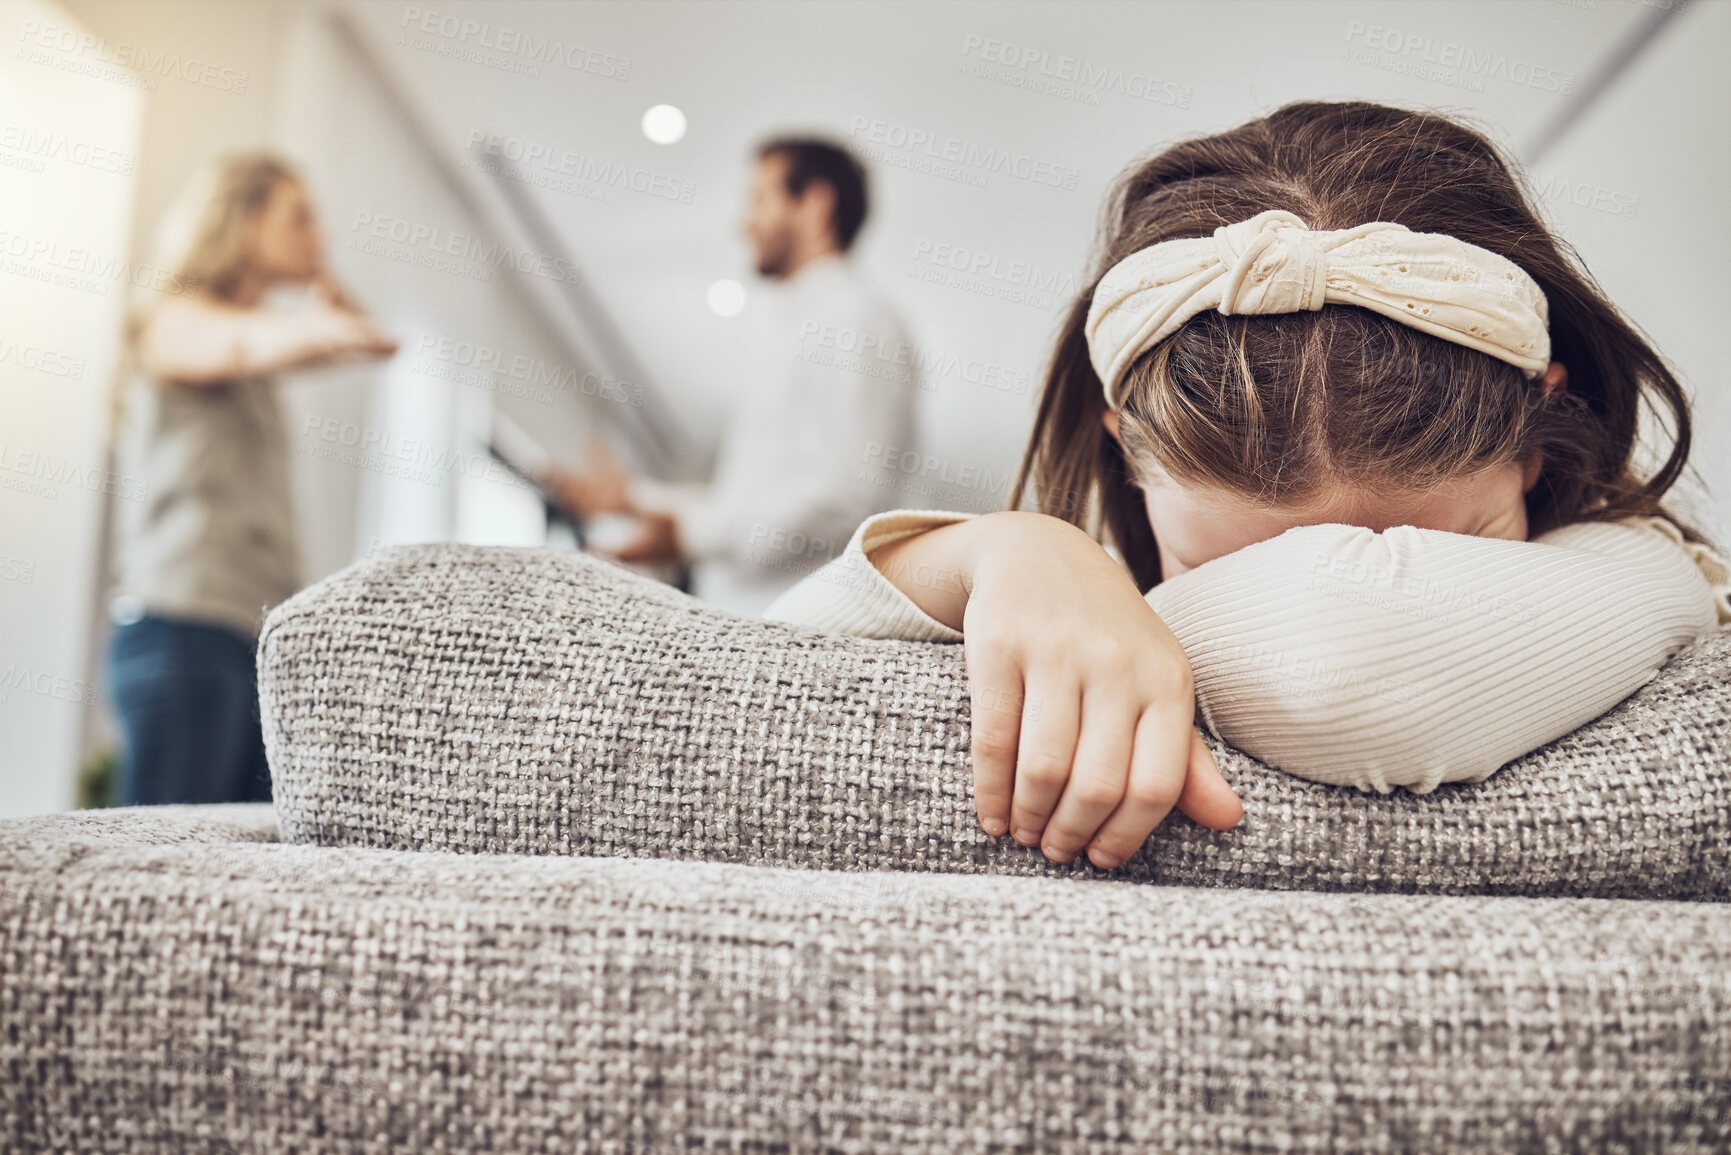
[(1276, 407)]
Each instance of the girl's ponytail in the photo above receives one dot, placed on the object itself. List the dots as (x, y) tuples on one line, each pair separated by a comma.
[(1076, 470)]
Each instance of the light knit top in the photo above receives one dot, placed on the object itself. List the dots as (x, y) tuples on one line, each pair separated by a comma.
[(214, 538), (798, 462), (1404, 658)]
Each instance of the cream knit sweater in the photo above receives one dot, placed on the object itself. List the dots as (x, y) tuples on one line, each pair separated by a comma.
[(1404, 658)]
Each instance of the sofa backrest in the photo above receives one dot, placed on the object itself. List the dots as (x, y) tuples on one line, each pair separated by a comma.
[(540, 701)]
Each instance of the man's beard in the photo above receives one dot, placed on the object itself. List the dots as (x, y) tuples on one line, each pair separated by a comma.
[(775, 256)]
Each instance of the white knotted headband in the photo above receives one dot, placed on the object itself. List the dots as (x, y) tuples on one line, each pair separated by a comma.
[(1275, 263)]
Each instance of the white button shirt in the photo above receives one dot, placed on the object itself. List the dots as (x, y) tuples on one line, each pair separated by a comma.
[(796, 471)]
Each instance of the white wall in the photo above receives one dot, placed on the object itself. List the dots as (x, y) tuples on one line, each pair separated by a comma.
[(1657, 151), (68, 147), (394, 453)]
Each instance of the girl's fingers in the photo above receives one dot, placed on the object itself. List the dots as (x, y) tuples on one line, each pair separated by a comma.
[(1159, 766), (1098, 773), (1051, 711), (1208, 798), (994, 697)]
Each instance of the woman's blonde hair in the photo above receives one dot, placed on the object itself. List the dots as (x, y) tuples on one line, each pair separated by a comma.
[(1274, 407), (203, 243)]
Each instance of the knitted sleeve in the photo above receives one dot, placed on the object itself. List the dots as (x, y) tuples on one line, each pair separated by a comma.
[(849, 595), (1405, 658), (1414, 657)]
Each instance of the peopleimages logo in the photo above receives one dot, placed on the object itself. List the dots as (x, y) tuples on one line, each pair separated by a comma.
[(385, 451), (42, 474), (1449, 61), (69, 150), (855, 351), (988, 275), (992, 266), (487, 364), (882, 459), (88, 48), (1590, 196), (1089, 76), (432, 240), (42, 360), (479, 40), (955, 150), (582, 167), (41, 259), (48, 685)]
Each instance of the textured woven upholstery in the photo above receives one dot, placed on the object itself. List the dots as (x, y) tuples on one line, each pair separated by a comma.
[(486, 700), (171, 983)]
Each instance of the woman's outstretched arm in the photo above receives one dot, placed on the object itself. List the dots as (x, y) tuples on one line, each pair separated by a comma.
[(195, 341)]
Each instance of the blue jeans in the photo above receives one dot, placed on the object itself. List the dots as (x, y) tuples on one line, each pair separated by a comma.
[(186, 693)]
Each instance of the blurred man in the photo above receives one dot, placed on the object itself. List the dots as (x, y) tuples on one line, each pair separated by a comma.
[(798, 464)]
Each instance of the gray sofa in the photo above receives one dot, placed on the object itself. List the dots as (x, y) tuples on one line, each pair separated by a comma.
[(563, 860)]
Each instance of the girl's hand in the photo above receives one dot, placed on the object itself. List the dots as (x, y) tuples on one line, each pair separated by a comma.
[(1082, 700)]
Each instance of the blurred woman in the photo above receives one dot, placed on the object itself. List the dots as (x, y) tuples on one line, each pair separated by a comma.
[(211, 547)]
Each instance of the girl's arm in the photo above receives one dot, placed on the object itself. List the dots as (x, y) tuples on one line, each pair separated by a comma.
[(1081, 705), (852, 595), (193, 341), (1414, 657), (1411, 657)]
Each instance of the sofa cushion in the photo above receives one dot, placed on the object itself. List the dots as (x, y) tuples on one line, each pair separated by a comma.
[(539, 701), (210, 993)]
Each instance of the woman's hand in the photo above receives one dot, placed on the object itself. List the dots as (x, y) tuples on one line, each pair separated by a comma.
[(332, 334), (360, 337), (1082, 702)]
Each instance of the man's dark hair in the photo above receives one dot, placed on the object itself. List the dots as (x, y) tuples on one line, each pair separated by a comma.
[(810, 159)]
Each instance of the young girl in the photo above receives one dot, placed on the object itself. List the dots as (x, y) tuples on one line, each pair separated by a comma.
[(1358, 436)]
